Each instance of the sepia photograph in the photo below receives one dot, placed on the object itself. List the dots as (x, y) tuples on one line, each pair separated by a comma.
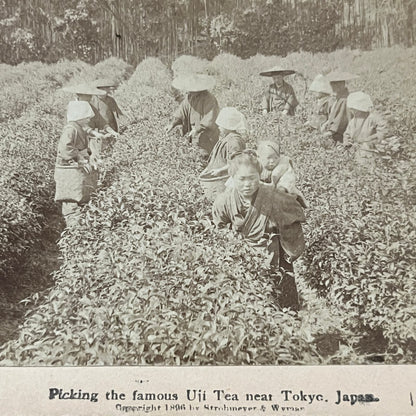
[(207, 183)]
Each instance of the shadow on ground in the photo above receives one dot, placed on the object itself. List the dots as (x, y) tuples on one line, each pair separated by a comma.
[(33, 276)]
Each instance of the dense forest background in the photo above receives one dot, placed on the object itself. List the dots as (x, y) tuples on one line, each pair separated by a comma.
[(93, 30)]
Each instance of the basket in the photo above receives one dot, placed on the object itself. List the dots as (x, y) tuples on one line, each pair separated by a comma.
[(212, 185), (74, 184)]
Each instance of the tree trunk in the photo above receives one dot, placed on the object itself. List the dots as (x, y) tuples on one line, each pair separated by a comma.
[(409, 4)]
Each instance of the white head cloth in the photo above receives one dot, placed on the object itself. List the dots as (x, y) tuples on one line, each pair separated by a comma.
[(77, 110), (359, 101), (231, 119)]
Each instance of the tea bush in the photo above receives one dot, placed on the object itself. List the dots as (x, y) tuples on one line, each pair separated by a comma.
[(147, 279), (360, 232), (361, 239), (187, 63), (32, 114)]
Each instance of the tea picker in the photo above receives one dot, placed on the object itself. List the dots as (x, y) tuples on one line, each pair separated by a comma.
[(98, 127), (365, 129), (75, 175), (233, 130), (339, 116), (280, 95), (106, 104), (321, 89), (197, 112)]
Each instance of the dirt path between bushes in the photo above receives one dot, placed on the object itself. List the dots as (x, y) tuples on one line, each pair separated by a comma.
[(33, 276)]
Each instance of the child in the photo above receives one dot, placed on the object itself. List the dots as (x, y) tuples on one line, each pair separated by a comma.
[(278, 170), (364, 129), (322, 90)]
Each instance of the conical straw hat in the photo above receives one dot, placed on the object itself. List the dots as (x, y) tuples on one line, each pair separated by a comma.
[(336, 76), (85, 89), (359, 101), (104, 83), (321, 84), (277, 70), (193, 82)]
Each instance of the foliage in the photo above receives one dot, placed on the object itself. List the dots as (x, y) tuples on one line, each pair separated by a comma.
[(272, 28), (361, 235), (147, 279), (176, 291), (92, 30), (78, 31), (31, 116), (186, 63)]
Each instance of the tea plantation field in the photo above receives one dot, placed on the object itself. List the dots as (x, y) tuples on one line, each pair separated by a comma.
[(147, 279)]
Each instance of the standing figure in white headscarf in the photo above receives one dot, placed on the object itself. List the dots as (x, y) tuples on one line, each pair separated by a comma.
[(75, 175)]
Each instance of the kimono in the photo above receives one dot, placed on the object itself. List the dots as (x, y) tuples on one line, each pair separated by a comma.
[(283, 175), (219, 157), (320, 112), (223, 149), (280, 98), (338, 117), (199, 111), (108, 109), (98, 122), (273, 220), (359, 130), (270, 212), (73, 144)]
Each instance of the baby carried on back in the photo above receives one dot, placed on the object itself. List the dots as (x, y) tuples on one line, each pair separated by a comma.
[(277, 170)]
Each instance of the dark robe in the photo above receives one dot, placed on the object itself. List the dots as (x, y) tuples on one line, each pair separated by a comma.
[(339, 116), (272, 220), (271, 211), (108, 109), (199, 111), (280, 98)]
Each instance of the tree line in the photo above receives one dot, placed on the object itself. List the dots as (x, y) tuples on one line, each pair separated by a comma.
[(93, 30)]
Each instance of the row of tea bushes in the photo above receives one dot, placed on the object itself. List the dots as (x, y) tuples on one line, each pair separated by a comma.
[(147, 279), (32, 116)]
